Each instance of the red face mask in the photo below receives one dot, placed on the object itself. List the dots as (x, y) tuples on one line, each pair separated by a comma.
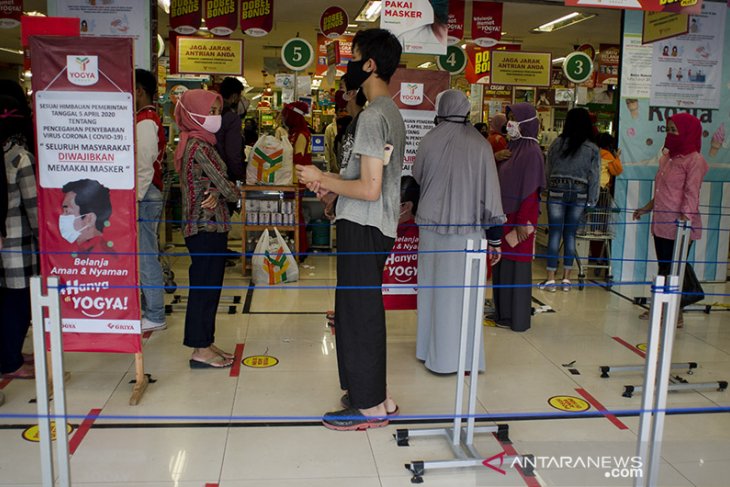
[(673, 144)]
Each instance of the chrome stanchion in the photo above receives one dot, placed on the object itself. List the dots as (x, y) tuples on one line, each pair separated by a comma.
[(52, 325)]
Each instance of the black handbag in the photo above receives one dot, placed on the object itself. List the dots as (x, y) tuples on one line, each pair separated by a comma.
[(692, 291)]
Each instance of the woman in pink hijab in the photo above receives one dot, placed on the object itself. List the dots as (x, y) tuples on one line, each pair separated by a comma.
[(676, 189), (206, 221)]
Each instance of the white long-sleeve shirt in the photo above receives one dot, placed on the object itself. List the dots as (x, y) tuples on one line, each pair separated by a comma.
[(147, 148)]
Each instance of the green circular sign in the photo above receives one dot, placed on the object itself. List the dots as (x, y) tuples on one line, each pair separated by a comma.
[(454, 61), (578, 67), (297, 54)]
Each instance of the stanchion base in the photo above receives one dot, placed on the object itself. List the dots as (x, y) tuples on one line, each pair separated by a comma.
[(138, 390)]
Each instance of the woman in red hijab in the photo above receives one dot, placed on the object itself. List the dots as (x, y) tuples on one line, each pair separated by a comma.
[(676, 189), (205, 188), (299, 136)]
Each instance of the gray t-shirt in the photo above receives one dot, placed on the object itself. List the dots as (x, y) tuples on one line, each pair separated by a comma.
[(378, 125)]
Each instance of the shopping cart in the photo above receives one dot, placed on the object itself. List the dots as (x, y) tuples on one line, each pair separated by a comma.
[(597, 225), (168, 276)]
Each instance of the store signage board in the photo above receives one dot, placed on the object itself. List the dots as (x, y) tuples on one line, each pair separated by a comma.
[(486, 23), (660, 25), (454, 61), (122, 18), (609, 56), (419, 28), (84, 120), (457, 11), (297, 54), (333, 22), (479, 61), (197, 55), (333, 53), (676, 6), (521, 68), (221, 16), (317, 144), (10, 13), (257, 17), (578, 67), (345, 54), (186, 16)]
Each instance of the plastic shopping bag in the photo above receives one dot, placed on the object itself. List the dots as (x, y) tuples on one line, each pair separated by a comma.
[(273, 262), (271, 162)]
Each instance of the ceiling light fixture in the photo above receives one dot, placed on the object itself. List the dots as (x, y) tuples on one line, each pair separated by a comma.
[(559, 60), (11, 51), (426, 65), (164, 5), (34, 13), (370, 11), (562, 22)]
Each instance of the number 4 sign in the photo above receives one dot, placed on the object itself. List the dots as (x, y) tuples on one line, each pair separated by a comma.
[(578, 67), (454, 61)]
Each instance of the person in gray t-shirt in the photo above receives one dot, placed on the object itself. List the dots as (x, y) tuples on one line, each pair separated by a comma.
[(368, 206)]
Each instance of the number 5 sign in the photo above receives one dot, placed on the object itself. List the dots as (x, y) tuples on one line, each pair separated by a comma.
[(297, 54), (578, 67)]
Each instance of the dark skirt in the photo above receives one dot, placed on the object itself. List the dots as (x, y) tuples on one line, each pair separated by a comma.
[(513, 303)]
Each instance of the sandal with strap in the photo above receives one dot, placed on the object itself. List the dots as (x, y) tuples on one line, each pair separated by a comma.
[(547, 285)]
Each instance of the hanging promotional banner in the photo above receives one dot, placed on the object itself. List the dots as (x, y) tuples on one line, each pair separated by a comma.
[(607, 64), (10, 13), (676, 6), (687, 70), (333, 22), (400, 275), (659, 26), (421, 26), (486, 23), (456, 21), (122, 18), (345, 54), (333, 53), (257, 17), (84, 120), (221, 16), (479, 61), (414, 91), (521, 68), (185, 16), (197, 55)]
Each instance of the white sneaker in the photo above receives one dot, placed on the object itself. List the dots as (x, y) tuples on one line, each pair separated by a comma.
[(148, 325), (547, 285)]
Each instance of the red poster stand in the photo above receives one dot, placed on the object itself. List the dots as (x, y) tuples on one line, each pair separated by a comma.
[(84, 119)]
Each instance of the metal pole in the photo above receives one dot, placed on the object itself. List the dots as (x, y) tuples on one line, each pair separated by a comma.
[(461, 373), (53, 303), (480, 259)]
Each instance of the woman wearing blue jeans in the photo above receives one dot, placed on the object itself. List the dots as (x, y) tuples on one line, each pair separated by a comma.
[(573, 177)]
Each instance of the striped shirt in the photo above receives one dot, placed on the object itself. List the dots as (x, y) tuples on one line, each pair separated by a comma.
[(203, 171), (19, 259)]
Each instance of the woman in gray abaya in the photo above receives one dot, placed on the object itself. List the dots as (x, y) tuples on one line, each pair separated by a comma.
[(460, 199)]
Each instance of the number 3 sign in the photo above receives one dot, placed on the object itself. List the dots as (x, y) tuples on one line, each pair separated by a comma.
[(578, 67)]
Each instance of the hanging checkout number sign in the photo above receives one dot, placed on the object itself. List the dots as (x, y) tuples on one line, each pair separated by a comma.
[(297, 54), (454, 61), (578, 67)]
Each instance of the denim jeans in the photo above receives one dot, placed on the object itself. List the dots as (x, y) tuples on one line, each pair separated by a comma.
[(566, 203), (150, 271)]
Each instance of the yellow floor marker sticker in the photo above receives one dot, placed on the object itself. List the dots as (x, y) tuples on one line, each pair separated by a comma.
[(569, 404), (33, 434), (260, 361)]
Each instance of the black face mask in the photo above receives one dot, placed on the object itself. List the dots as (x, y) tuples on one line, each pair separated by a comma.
[(356, 75)]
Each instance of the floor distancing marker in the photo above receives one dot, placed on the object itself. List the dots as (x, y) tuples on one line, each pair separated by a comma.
[(238, 356), (594, 402), (630, 347), (84, 428)]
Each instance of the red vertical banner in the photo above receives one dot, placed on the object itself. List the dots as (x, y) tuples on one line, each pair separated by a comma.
[(456, 21), (185, 16), (400, 275), (257, 17), (84, 117), (221, 16), (486, 23), (10, 13)]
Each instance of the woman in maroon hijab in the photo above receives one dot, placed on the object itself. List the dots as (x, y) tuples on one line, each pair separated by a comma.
[(521, 178), (676, 189)]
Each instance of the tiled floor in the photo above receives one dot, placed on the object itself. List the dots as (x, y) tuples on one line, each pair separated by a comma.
[(207, 428)]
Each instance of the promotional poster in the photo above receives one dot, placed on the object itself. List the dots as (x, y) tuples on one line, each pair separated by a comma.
[(84, 115)]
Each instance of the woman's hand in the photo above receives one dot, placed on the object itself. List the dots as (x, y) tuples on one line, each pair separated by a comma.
[(210, 202), (495, 254), (503, 155), (309, 174), (639, 213), (523, 233)]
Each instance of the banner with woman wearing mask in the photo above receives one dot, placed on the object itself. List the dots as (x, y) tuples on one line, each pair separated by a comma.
[(84, 114)]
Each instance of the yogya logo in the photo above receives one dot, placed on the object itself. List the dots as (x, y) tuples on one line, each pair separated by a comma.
[(411, 93), (82, 70)]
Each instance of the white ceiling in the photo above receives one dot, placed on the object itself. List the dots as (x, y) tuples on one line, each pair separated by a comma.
[(301, 17)]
